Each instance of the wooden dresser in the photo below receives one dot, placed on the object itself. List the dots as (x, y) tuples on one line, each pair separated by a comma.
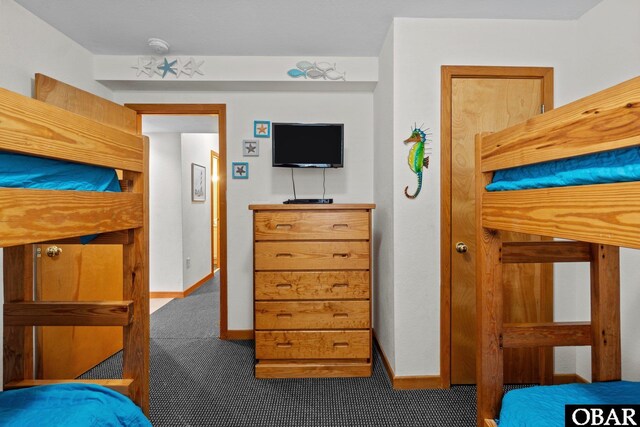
[(312, 290)]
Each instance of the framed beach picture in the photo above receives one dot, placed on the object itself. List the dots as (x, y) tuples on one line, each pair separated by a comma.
[(261, 129), (250, 148), (240, 170), (198, 183)]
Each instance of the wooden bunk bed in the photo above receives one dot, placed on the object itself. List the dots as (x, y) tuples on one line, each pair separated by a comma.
[(596, 219), (29, 216)]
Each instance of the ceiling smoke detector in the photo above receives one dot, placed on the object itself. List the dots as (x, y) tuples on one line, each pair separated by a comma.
[(159, 46)]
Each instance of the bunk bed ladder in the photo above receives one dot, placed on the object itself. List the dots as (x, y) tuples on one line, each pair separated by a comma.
[(22, 313), (602, 333)]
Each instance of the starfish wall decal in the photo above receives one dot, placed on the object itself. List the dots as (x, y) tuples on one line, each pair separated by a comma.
[(182, 68), (162, 67), (167, 67), (195, 66), (144, 66)]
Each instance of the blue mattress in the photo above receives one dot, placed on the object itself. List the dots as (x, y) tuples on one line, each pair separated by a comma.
[(19, 171), (543, 406), (621, 165), (69, 405)]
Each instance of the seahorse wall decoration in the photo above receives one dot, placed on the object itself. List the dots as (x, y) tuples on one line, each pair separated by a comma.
[(416, 159)]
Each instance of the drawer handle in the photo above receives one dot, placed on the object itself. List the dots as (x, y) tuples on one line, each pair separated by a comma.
[(283, 286), (340, 285), (283, 345), (340, 344), (287, 226), (336, 226), (284, 315), (342, 255), (284, 255), (340, 315)]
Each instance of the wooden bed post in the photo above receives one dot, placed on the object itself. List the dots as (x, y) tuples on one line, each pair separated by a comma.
[(136, 288), (18, 287), (489, 360), (605, 321)]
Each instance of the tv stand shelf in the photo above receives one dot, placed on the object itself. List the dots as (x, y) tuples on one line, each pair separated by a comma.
[(312, 290)]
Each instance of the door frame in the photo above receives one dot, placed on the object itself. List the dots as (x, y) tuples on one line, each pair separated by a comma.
[(448, 73), (219, 110), (214, 206)]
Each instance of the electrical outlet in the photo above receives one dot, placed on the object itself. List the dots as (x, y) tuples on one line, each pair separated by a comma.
[(188, 262)]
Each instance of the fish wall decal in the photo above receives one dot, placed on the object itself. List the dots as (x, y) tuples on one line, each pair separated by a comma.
[(295, 73), (316, 70), (304, 65)]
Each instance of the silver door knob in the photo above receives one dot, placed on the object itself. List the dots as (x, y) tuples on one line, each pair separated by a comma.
[(53, 251), (461, 247)]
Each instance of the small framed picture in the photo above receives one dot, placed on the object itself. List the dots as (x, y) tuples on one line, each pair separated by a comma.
[(261, 129), (240, 170), (198, 183), (250, 148)]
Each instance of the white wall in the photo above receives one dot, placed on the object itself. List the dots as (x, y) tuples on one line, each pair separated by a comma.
[(609, 53), (29, 45), (196, 216), (351, 184), (383, 188), (165, 212), (421, 47)]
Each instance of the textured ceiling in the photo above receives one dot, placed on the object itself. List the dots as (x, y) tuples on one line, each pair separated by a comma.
[(267, 27)]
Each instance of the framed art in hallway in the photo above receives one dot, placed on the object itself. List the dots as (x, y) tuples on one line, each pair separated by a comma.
[(198, 183)]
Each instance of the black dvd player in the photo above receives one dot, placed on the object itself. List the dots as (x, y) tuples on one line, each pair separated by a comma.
[(308, 201)]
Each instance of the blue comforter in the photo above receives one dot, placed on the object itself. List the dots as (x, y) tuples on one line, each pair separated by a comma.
[(543, 406), (19, 171), (73, 404), (609, 166)]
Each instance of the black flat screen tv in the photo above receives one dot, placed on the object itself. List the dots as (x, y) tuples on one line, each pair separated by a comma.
[(308, 145)]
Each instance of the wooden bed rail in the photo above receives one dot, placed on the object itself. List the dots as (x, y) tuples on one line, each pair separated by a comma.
[(121, 386), (603, 121), (32, 216), (602, 213), (123, 237), (59, 313), (32, 127)]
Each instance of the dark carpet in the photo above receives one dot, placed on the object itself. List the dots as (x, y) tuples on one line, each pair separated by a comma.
[(199, 380)]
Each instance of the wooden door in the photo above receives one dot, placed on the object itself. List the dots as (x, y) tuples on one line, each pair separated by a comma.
[(90, 272), (481, 105)]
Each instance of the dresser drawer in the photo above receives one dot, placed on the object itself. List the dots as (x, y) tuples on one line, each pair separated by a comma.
[(313, 344), (311, 255), (312, 315), (311, 225), (323, 285)]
